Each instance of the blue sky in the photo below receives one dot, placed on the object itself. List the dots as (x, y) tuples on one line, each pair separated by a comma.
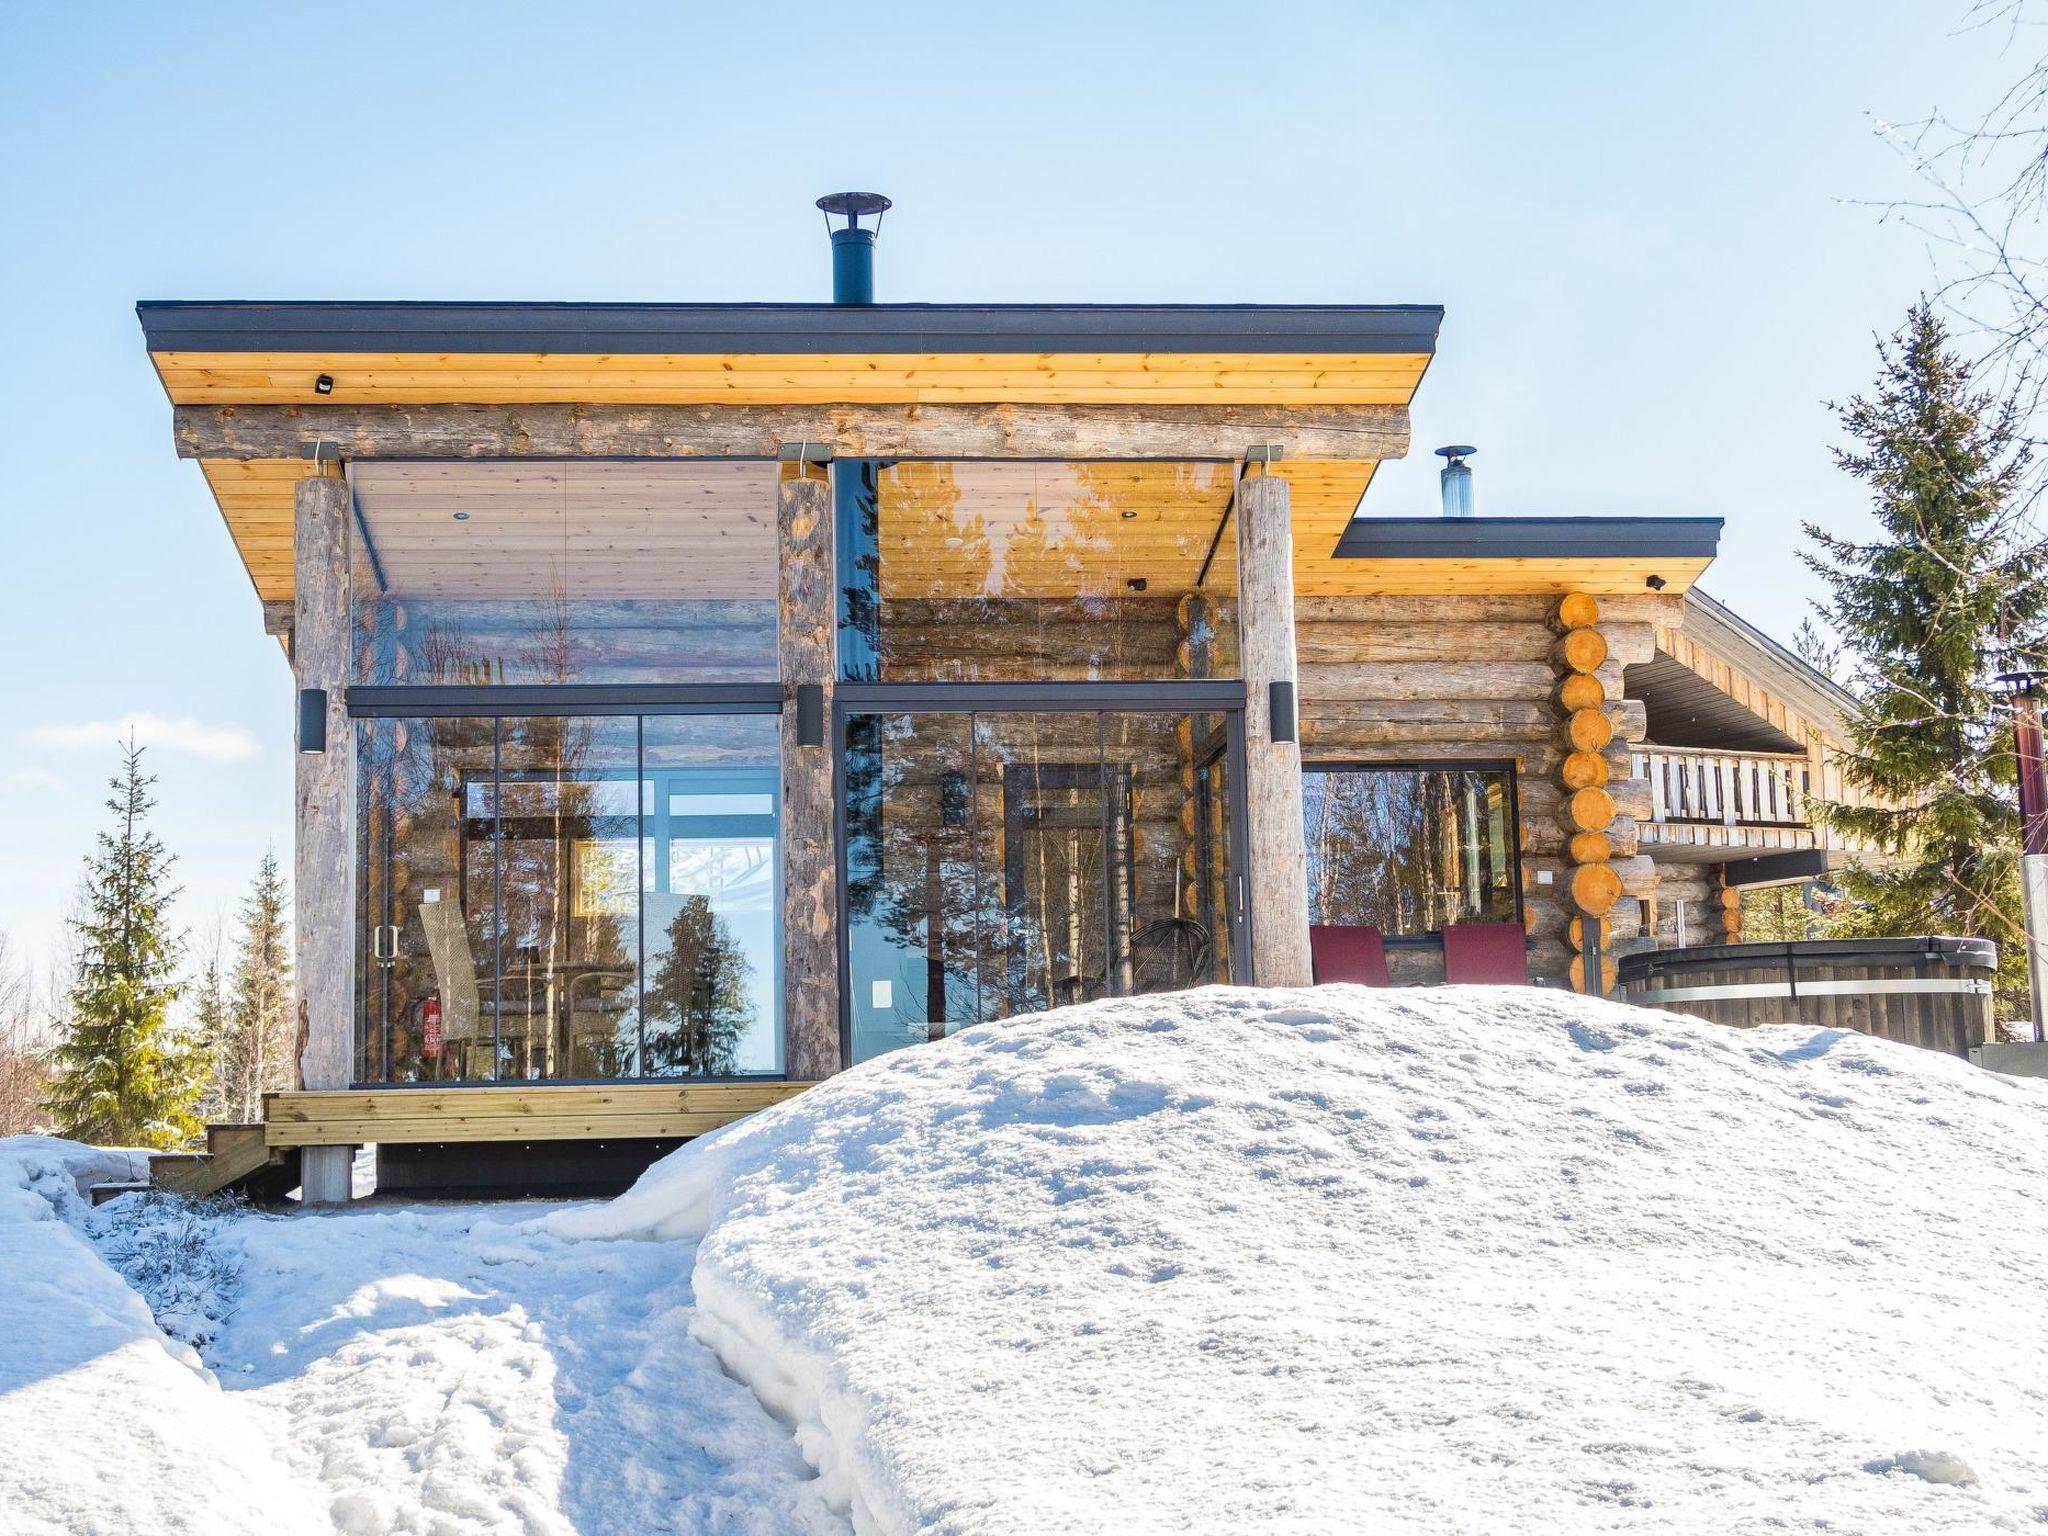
[(1642, 221)]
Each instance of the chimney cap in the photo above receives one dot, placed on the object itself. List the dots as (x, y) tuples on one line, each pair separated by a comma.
[(853, 205), (1456, 452)]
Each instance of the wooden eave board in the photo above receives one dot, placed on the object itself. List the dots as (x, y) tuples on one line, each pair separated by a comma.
[(1600, 576), (486, 378), (255, 500)]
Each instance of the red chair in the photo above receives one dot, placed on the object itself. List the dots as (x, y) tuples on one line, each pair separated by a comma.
[(1347, 952), (1487, 954)]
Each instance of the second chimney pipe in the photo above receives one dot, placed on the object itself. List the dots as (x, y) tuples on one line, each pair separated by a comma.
[(853, 248), (1455, 478)]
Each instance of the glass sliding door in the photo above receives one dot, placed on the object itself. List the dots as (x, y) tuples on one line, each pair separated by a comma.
[(563, 897), (1003, 862), (710, 901)]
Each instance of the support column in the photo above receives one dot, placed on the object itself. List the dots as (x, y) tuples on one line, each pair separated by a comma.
[(323, 888), (808, 621), (1272, 791)]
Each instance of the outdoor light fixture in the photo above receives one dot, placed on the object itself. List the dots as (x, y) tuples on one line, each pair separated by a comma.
[(312, 719), (1280, 710), (324, 385), (1137, 583), (810, 714), (1655, 583), (462, 517)]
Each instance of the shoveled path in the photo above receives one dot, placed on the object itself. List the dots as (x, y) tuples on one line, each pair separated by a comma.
[(436, 1369)]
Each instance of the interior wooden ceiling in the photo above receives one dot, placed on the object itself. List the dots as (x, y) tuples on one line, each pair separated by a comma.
[(508, 529), (493, 378)]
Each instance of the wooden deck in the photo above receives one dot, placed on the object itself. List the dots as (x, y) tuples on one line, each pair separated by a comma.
[(527, 1112)]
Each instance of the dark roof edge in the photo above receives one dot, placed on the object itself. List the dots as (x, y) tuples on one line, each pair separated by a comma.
[(415, 326), (1508, 538)]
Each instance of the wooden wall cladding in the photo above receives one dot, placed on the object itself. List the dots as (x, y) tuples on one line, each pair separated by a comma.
[(1388, 678)]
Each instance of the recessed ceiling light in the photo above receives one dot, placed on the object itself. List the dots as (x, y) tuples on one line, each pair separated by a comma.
[(462, 517), (1129, 513)]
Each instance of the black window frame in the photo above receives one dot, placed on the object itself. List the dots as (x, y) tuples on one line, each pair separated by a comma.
[(1511, 766)]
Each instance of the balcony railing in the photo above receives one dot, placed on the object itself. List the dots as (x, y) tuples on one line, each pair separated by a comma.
[(1727, 789)]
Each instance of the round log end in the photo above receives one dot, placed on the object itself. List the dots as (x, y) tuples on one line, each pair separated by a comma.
[(1588, 730), (1580, 690), (1581, 650), (1589, 810), (1590, 848), (1731, 898), (1576, 931), (1610, 974), (1595, 888), (1584, 770), (1577, 610)]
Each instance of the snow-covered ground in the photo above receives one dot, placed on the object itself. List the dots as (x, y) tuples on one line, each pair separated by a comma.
[(1433, 1261), (1445, 1260)]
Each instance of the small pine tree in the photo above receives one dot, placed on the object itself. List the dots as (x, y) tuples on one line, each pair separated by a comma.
[(124, 1074), (261, 1025), (1953, 581), (209, 998)]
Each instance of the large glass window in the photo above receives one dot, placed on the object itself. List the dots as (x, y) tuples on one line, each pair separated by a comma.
[(559, 897), (1004, 862), (1044, 572), (528, 571), (1411, 849)]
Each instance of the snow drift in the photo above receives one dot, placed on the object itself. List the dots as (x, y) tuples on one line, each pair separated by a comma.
[(107, 1425), (1446, 1260)]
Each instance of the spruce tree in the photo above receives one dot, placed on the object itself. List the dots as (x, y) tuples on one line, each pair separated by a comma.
[(261, 1027), (210, 1024), (124, 1074), (1951, 588)]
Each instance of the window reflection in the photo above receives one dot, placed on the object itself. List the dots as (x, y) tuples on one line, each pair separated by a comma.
[(1014, 571), (1005, 862), (559, 897), (1410, 850)]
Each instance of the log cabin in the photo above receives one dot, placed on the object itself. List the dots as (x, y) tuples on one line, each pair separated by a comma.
[(693, 700)]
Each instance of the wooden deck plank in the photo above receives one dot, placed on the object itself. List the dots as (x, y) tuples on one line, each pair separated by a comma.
[(527, 1112)]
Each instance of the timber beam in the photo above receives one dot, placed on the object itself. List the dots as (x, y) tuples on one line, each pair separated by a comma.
[(1009, 431)]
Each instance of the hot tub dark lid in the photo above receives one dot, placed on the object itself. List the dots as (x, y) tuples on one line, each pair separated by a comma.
[(1926, 949)]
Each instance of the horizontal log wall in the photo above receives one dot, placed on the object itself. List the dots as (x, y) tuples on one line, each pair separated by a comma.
[(1388, 678)]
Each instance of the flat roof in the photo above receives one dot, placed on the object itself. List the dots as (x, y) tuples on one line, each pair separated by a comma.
[(682, 329), (1516, 538)]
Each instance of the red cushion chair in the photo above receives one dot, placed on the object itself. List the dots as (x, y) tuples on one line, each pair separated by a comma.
[(1490, 954), (1347, 952)]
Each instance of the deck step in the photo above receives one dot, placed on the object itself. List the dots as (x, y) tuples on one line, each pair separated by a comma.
[(234, 1153), (102, 1193)]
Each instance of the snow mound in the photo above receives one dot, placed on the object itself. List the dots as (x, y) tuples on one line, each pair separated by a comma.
[(1338, 1259), (108, 1425)]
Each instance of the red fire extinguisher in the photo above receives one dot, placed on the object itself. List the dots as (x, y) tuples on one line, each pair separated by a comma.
[(430, 1027)]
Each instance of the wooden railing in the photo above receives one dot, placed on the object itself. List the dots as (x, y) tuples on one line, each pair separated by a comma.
[(1729, 789)]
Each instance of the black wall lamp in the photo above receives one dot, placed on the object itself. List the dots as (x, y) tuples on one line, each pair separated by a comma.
[(1280, 710), (312, 719), (810, 714)]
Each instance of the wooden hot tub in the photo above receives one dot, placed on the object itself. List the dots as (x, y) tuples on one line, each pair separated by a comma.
[(1931, 992)]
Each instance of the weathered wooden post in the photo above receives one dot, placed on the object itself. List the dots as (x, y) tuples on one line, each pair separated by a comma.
[(323, 896), (1272, 792), (808, 618)]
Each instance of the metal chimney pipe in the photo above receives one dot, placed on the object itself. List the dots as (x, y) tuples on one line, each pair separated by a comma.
[(1455, 479), (853, 248)]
